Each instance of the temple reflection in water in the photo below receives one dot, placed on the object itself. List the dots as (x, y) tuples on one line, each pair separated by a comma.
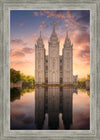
[(54, 101)]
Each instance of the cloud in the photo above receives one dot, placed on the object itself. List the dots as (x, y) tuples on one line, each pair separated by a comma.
[(43, 25), (81, 37), (84, 18), (19, 23), (71, 24), (17, 54), (17, 42), (56, 14), (70, 21), (41, 13), (20, 63), (36, 13), (76, 20), (83, 21), (20, 52), (84, 54), (26, 66), (81, 45), (33, 37), (28, 50), (50, 13), (69, 14)]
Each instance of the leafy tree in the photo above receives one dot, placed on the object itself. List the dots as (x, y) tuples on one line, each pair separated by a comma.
[(14, 76), (82, 81)]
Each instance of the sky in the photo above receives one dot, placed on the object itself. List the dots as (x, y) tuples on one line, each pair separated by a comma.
[(25, 27)]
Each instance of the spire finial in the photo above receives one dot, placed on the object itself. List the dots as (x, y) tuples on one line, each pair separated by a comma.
[(67, 34), (40, 33), (53, 26)]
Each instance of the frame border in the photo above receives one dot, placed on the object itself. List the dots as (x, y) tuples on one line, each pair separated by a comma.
[(5, 7)]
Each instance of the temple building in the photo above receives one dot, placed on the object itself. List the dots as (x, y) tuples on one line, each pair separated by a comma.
[(54, 68)]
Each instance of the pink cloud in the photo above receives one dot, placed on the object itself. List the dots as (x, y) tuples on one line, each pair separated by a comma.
[(28, 50), (20, 52), (26, 67), (43, 22), (71, 23), (84, 54), (17, 54), (33, 37), (69, 15), (80, 37), (17, 42), (43, 25), (52, 14), (41, 13), (56, 15), (36, 13)]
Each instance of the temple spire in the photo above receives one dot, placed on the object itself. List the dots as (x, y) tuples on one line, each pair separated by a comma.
[(67, 35), (53, 26), (53, 37), (67, 40), (40, 41), (40, 34)]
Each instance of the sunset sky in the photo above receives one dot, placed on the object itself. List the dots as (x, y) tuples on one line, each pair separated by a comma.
[(25, 26)]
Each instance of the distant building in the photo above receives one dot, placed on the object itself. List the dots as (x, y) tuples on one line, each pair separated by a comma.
[(53, 68)]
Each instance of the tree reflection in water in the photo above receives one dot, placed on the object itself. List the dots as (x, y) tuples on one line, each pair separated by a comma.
[(16, 93)]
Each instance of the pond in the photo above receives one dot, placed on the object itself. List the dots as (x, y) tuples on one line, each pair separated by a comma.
[(50, 108)]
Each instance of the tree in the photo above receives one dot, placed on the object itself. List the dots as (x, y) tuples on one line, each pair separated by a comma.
[(14, 75)]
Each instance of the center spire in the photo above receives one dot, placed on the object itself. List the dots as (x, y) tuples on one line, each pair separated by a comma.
[(40, 34), (53, 26), (53, 37)]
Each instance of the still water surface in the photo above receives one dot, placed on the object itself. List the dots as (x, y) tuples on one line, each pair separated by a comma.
[(50, 108)]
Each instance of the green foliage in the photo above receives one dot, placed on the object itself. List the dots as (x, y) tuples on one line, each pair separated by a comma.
[(82, 81), (16, 93), (25, 78), (88, 77), (16, 76)]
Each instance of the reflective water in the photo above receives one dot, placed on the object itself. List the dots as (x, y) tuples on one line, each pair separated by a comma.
[(50, 108)]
